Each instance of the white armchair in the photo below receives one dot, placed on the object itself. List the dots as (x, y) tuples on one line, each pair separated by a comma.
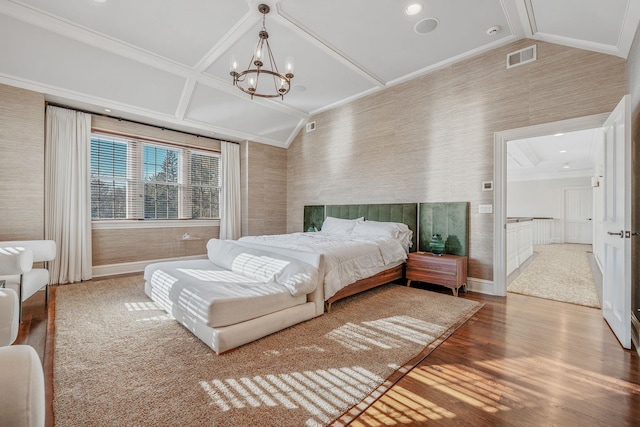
[(22, 397), (16, 267)]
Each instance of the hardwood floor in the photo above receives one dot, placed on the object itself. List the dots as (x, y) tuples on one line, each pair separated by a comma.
[(520, 361)]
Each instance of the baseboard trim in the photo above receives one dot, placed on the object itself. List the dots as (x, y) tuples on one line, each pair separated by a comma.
[(133, 267), (481, 286)]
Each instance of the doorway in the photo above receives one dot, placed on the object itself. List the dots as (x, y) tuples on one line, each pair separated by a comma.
[(550, 208), (500, 182)]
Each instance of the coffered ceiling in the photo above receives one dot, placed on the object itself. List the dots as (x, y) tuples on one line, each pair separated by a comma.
[(167, 62), (564, 155)]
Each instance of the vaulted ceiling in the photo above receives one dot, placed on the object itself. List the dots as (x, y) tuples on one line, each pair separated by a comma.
[(167, 62)]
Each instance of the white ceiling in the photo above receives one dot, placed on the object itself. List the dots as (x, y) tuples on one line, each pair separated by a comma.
[(167, 63), (566, 155)]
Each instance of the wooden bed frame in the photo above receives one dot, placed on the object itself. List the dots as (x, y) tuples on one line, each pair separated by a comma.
[(406, 213), (382, 278)]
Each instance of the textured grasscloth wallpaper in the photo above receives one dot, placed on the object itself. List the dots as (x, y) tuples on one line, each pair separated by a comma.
[(431, 139), (21, 164)]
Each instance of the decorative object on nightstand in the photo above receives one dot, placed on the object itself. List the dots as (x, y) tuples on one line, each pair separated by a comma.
[(448, 219), (312, 228), (436, 244), (445, 270)]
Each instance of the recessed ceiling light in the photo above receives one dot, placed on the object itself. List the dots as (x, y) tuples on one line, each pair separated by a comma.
[(413, 9), (562, 151), (426, 25), (566, 166), (558, 134), (100, 1), (108, 110)]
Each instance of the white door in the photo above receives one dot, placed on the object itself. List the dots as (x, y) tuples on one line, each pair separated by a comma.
[(578, 210), (616, 304)]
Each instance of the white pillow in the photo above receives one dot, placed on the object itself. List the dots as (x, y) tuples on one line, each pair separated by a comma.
[(392, 229), (395, 230), (372, 228), (333, 225)]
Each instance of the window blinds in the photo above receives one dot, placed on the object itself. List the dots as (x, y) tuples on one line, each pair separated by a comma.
[(133, 179)]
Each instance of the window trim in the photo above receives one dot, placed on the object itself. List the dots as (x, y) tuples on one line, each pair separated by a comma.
[(139, 143), (119, 224)]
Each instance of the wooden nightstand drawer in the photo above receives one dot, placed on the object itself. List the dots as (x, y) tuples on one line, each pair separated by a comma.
[(445, 270)]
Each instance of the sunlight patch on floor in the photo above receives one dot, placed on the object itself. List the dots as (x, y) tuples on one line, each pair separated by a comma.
[(387, 333), (492, 386), (323, 393)]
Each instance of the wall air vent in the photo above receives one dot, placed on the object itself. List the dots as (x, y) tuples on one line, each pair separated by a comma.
[(311, 126), (522, 56)]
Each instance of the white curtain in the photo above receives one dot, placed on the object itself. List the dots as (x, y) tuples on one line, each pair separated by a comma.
[(68, 193), (230, 227)]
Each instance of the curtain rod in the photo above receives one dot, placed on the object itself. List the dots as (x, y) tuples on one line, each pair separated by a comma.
[(120, 119)]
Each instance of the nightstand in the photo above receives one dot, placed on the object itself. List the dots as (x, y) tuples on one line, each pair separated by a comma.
[(445, 270)]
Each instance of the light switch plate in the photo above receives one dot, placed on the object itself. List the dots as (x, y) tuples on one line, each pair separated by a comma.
[(485, 209)]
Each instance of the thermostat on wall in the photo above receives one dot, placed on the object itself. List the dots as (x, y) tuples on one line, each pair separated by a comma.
[(487, 185)]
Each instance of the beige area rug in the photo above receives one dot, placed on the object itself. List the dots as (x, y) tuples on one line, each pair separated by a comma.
[(559, 272), (120, 361)]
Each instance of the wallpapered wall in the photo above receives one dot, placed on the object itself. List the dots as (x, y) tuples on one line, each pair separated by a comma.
[(431, 139), (22, 164), (264, 202)]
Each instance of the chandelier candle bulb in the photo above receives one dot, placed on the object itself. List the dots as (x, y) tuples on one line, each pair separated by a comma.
[(258, 61), (233, 65), (289, 66)]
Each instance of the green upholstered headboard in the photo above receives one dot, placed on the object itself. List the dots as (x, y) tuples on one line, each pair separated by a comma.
[(406, 213), (450, 220), (313, 217)]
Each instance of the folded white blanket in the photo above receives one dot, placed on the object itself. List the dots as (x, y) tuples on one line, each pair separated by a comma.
[(257, 264)]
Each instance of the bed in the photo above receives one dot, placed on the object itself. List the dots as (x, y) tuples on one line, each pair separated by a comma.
[(240, 293), (253, 287), (364, 246)]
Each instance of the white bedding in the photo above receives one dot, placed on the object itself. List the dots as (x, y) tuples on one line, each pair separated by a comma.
[(348, 257)]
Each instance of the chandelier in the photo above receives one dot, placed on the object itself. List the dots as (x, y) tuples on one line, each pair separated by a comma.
[(265, 82)]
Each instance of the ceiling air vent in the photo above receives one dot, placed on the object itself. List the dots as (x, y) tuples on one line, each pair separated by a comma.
[(311, 126), (522, 56)]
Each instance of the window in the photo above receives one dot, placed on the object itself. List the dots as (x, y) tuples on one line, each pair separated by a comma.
[(161, 192), (108, 179), (132, 179)]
